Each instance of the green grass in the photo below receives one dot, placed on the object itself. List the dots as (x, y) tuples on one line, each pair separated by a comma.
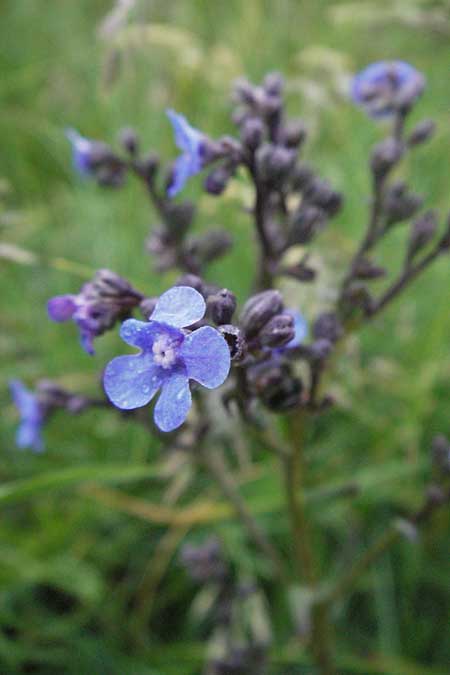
[(75, 570)]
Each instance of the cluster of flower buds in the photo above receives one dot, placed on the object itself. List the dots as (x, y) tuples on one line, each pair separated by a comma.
[(390, 90), (100, 303)]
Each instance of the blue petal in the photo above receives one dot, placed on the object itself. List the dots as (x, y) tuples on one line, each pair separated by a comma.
[(174, 402), (183, 169), (29, 436), (142, 334), (132, 381), (24, 400), (206, 356), (187, 138), (301, 329), (180, 306), (61, 307), (81, 152)]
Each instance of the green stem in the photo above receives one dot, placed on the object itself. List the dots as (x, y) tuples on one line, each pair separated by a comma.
[(305, 566)]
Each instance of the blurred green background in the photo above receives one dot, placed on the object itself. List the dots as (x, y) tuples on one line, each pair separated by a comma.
[(89, 578)]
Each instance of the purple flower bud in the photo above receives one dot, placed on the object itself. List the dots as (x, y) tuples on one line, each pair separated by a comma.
[(293, 134), (221, 306), (32, 417), (258, 310), (366, 269), (305, 223), (385, 156), (274, 162), (210, 246), (422, 232), (129, 140), (422, 132), (252, 132), (62, 307), (278, 332), (327, 326), (386, 87)]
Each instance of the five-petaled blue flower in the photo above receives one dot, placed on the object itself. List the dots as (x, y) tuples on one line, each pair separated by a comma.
[(82, 149), (192, 144), (168, 359), (31, 417), (387, 86)]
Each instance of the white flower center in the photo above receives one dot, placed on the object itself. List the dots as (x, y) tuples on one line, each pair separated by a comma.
[(164, 352)]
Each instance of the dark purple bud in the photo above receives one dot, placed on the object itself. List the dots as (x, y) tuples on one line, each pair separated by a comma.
[(321, 349), (440, 450), (235, 340), (221, 306), (305, 223), (423, 230), (320, 193), (273, 84), (422, 132), (193, 281), (217, 180), (252, 132), (385, 156), (275, 384), (179, 217), (244, 91), (301, 176), (358, 296), (258, 310), (366, 269), (278, 331), (327, 326), (399, 204), (301, 272), (148, 166), (129, 140), (293, 134), (147, 307), (204, 562), (210, 246), (274, 162)]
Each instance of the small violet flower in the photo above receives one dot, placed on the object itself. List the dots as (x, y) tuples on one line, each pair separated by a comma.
[(387, 86), (82, 152), (168, 359), (31, 417), (192, 143)]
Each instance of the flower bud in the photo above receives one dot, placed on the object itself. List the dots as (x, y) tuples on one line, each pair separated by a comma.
[(399, 204), (179, 217), (147, 307), (423, 230), (221, 306), (258, 310), (273, 84), (210, 246), (193, 281), (327, 326), (301, 175), (321, 349), (305, 223), (274, 162), (300, 271), (147, 166), (204, 563), (129, 140), (252, 132), (235, 340), (320, 193), (217, 180), (293, 134), (274, 383), (440, 449), (366, 269), (385, 156), (422, 132), (278, 331)]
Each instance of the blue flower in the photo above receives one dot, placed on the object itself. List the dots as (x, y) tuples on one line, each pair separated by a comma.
[(31, 417), (168, 359), (192, 144), (387, 86), (82, 152), (301, 329)]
